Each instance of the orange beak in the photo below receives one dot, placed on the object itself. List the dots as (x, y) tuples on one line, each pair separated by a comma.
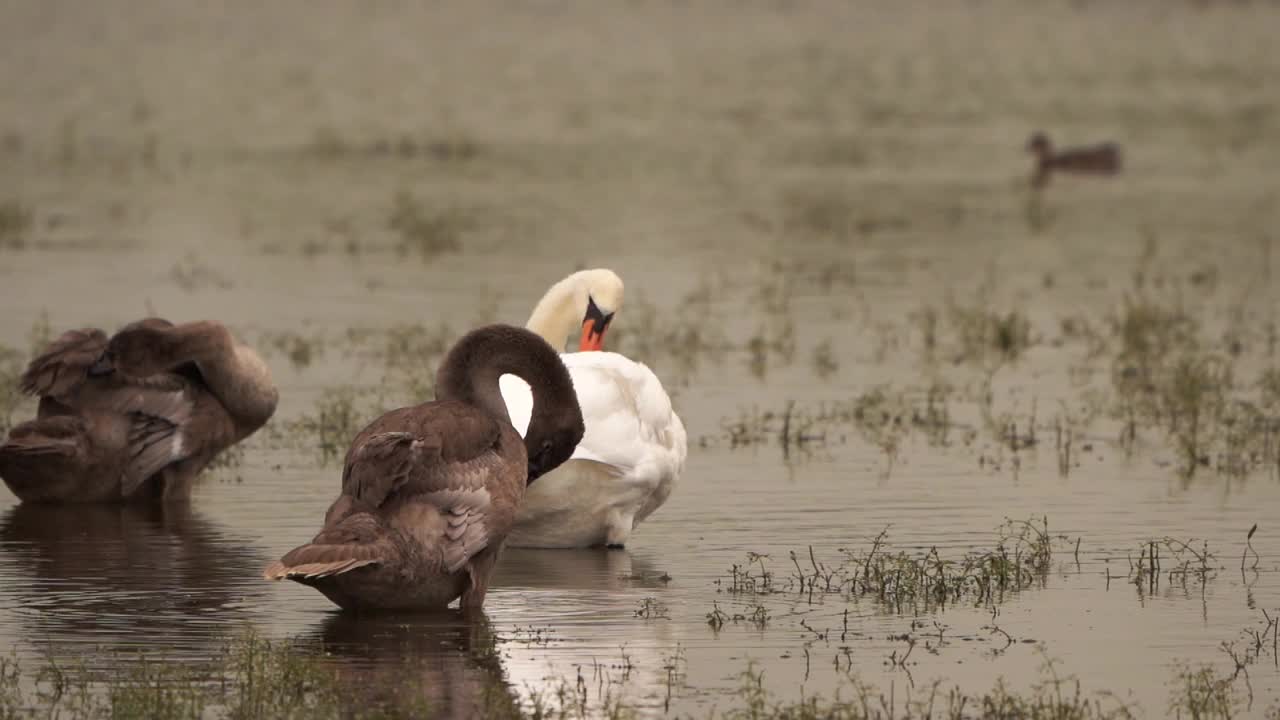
[(593, 326), (591, 339)]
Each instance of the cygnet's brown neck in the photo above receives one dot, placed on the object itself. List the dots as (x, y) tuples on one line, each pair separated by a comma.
[(473, 365)]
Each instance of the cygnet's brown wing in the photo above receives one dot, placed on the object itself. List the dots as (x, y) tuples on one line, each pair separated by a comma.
[(347, 545), (444, 455), (78, 359), (64, 363), (70, 378), (155, 441)]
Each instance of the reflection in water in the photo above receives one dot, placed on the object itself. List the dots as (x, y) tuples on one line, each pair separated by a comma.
[(587, 569), (452, 665), (121, 576), (572, 614), (440, 664)]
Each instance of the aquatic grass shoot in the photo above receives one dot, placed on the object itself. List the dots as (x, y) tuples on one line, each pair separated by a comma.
[(12, 365), (903, 581), (425, 231), (339, 414), (16, 222), (256, 677)]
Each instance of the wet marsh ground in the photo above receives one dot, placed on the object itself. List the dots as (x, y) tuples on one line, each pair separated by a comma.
[(954, 447)]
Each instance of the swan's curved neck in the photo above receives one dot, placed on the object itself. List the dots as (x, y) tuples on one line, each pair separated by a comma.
[(234, 372), (471, 370), (555, 318)]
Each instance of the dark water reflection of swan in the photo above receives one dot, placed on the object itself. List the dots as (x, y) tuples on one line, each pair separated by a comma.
[(590, 569), (122, 577), (443, 664), (450, 664)]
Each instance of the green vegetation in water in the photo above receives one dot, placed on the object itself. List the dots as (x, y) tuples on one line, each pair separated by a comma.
[(252, 678), (825, 363), (906, 582), (16, 221), (425, 231), (834, 150), (407, 355), (12, 365), (227, 463), (1174, 561), (1213, 401), (193, 274), (300, 350), (338, 416), (411, 354), (828, 211), (882, 416), (681, 340), (40, 334), (450, 148), (13, 362), (653, 609), (984, 336), (255, 677), (1163, 377)]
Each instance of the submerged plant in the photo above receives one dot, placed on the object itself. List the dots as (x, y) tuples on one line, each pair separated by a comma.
[(426, 232), (652, 609), (910, 582), (825, 363), (12, 365), (301, 350), (337, 418), (1202, 694), (16, 220), (256, 677), (985, 337), (1185, 562)]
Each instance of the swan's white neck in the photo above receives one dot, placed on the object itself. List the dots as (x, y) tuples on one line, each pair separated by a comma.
[(557, 315)]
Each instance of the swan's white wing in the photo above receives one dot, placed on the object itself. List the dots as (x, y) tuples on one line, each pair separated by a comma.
[(630, 423)]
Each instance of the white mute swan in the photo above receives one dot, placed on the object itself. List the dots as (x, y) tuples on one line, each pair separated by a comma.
[(634, 447)]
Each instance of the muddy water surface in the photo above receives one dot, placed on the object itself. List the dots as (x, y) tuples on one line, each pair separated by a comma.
[(771, 180)]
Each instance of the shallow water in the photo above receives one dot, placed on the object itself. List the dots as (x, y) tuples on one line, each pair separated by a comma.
[(819, 167)]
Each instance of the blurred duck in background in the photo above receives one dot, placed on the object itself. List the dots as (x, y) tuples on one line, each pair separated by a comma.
[(1102, 159)]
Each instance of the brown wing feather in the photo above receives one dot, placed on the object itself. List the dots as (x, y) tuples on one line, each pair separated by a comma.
[(73, 377), (466, 530), (52, 436), (378, 467), (438, 454), (154, 442), (64, 363), (435, 457), (463, 431), (347, 545), (414, 450), (158, 409)]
